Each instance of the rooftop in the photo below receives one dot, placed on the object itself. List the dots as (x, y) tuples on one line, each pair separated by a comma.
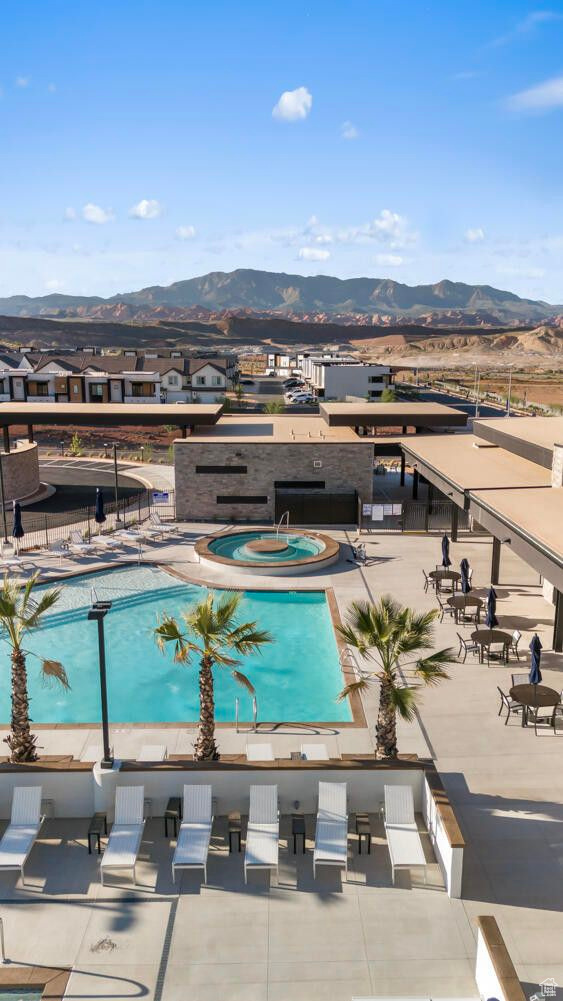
[(275, 428), (109, 414), (392, 414), (469, 463), (535, 513), (532, 437)]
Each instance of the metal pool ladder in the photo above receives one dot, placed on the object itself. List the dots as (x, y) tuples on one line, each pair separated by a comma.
[(254, 713), (280, 523)]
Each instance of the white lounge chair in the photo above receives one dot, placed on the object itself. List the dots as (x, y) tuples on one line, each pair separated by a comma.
[(106, 542), (403, 839), (314, 752), (20, 835), (262, 839), (331, 835), (194, 836), (152, 752), (127, 831), (164, 528), (259, 752), (78, 545)]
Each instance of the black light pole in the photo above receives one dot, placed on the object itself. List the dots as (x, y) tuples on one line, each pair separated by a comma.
[(117, 518), (3, 499), (97, 613)]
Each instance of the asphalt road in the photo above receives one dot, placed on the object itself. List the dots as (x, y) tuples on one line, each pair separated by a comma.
[(459, 402), (76, 484)]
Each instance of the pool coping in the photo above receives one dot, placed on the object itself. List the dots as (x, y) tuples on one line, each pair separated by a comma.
[(356, 706), (52, 980), (329, 553)]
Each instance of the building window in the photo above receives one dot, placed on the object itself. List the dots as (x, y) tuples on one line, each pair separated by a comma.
[(241, 499), (200, 380), (216, 380), (374, 393), (299, 484), (172, 380), (75, 388), (138, 389), (42, 389), (96, 390), (221, 469)]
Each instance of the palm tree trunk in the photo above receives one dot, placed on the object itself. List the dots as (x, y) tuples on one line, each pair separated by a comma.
[(20, 740), (386, 727), (205, 748)]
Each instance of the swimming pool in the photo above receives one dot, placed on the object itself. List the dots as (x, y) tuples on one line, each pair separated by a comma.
[(296, 678), (240, 546)]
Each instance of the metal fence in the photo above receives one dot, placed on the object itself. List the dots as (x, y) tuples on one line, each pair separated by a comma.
[(43, 529), (413, 516)]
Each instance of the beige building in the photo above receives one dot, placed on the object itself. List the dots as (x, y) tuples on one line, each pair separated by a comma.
[(255, 468)]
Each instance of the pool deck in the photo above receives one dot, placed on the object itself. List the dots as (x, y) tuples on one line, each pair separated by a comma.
[(304, 940)]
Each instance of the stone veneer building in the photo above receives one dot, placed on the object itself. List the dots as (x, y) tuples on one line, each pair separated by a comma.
[(244, 468)]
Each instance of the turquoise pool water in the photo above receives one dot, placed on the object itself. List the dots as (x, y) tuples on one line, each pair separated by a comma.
[(235, 546), (296, 678), (15, 995)]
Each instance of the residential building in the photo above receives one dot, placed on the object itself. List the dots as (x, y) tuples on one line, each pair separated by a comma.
[(345, 378)]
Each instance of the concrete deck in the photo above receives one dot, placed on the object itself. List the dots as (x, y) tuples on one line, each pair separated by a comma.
[(302, 940)]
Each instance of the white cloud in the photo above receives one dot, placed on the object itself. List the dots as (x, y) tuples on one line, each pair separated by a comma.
[(54, 285), (70, 213), (389, 227), (476, 235), (527, 26), (23, 81), (96, 214), (348, 131), (185, 232), (323, 238), (313, 254), (389, 260), (518, 272), (542, 97), (293, 105), (147, 208)]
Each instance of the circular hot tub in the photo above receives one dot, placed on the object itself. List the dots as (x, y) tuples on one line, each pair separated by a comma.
[(269, 551)]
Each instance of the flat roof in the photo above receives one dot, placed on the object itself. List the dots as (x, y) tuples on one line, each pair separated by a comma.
[(275, 428), (392, 414), (110, 414), (531, 437), (535, 513), (469, 463)]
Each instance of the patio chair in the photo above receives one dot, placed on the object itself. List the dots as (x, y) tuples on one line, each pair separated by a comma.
[(262, 839), (542, 714), (164, 528), (445, 609), (314, 752), (259, 752), (59, 548), (470, 576), (519, 679), (428, 581), (78, 545), (127, 831), (107, 541), (511, 706), (403, 840), (331, 833), (192, 846), (516, 637), (468, 646), (22, 831)]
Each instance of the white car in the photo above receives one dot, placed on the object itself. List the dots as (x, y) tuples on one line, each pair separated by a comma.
[(302, 398)]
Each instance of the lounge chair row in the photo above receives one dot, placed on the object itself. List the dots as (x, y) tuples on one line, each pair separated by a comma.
[(192, 846)]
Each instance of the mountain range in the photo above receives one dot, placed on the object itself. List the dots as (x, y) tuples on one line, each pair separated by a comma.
[(315, 299)]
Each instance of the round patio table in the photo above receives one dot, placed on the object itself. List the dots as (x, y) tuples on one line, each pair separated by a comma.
[(486, 637), (439, 575), (534, 697), (459, 602)]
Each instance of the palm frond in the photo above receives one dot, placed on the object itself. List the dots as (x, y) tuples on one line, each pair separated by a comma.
[(168, 631), (246, 638), (403, 699), (430, 669), (355, 686), (241, 679), (53, 670)]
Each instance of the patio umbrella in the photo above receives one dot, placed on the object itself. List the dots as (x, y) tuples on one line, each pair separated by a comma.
[(17, 528), (464, 569), (535, 673), (99, 513), (491, 619), (446, 562)]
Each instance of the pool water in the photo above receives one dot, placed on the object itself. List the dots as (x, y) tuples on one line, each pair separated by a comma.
[(235, 547), (296, 678), (16, 995)]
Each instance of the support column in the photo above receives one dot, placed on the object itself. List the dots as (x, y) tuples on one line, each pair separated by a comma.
[(184, 432), (415, 485), (455, 512), (402, 469), (495, 561), (30, 433), (558, 622), (6, 438), (404, 428), (430, 500)]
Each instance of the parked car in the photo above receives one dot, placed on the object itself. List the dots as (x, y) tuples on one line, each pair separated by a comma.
[(292, 383), (302, 398), (246, 382)]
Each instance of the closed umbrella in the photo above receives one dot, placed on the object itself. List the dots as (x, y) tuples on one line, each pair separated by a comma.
[(446, 562), (491, 619), (99, 513), (17, 528), (535, 673), (464, 569)]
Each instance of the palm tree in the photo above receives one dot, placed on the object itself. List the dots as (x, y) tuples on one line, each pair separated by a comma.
[(392, 636), (210, 631), (20, 614)]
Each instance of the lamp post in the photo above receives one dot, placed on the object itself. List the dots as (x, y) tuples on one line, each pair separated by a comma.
[(2, 498), (97, 614), (478, 384), (62, 444), (509, 390), (117, 518)]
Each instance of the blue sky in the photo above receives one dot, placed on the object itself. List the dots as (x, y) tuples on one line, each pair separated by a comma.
[(142, 143)]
